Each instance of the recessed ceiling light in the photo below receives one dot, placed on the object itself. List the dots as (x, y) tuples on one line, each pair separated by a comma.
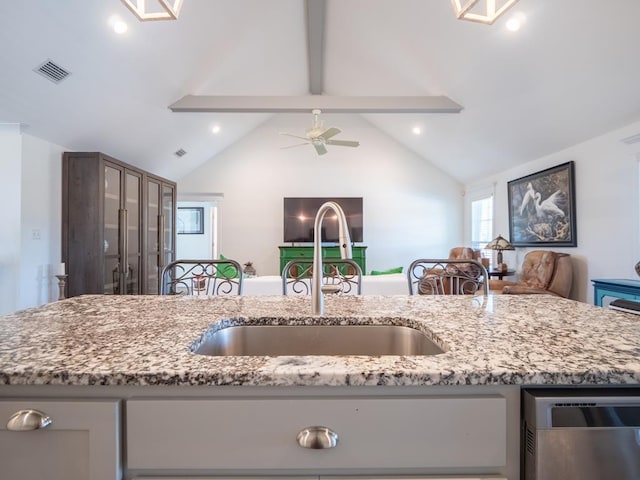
[(416, 130), (215, 129), (118, 25), (515, 22)]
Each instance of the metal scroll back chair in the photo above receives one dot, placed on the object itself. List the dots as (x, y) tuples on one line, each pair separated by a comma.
[(343, 277), (447, 277), (202, 277)]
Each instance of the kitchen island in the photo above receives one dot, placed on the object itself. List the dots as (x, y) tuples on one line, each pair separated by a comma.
[(452, 413)]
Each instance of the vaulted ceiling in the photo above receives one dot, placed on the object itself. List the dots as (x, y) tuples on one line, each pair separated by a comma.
[(569, 74)]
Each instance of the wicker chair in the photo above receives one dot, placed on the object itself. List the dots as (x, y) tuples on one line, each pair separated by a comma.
[(464, 253), (202, 277)]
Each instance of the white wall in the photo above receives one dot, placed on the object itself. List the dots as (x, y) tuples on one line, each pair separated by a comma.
[(31, 195), (411, 209), (607, 208), (10, 161), (40, 246)]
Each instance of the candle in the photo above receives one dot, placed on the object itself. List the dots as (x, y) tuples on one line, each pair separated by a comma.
[(61, 269)]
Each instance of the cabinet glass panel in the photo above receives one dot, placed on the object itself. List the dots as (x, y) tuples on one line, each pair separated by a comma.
[(153, 210), (133, 243), (112, 275), (167, 212), (112, 201), (153, 237)]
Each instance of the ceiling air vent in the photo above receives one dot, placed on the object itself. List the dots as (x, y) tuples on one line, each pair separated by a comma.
[(632, 139), (51, 71), (180, 153)]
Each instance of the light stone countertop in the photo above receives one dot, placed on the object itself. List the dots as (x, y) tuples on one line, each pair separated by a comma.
[(147, 340)]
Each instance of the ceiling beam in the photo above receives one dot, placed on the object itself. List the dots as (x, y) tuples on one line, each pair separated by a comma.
[(315, 10), (304, 104)]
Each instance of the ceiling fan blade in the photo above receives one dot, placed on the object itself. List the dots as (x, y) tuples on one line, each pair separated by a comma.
[(296, 145), (292, 135), (320, 148), (343, 143), (330, 132)]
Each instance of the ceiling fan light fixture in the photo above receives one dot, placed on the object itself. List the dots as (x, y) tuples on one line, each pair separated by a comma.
[(319, 137), (164, 9), (481, 11)]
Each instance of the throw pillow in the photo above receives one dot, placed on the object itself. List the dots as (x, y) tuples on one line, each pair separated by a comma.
[(227, 271), (387, 272)]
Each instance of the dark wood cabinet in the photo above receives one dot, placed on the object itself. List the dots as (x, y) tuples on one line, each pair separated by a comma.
[(118, 225)]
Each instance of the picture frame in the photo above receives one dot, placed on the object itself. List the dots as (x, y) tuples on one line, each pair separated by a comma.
[(190, 221), (542, 208)]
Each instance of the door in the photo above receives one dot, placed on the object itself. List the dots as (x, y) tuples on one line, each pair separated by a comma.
[(113, 180), (153, 227), (168, 224), (160, 245), (160, 225), (122, 232), (132, 266)]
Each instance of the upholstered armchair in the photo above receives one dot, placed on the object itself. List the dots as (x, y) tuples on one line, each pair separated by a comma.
[(464, 253), (543, 271)]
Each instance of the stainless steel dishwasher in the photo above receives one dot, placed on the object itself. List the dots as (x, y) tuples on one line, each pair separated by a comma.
[(585, 434)]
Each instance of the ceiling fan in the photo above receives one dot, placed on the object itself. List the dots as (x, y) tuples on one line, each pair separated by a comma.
[(320, 137)]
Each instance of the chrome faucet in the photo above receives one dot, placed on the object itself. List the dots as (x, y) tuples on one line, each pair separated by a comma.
[(317, 293)]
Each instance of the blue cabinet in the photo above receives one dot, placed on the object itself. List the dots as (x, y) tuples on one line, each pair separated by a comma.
[(607, 290)]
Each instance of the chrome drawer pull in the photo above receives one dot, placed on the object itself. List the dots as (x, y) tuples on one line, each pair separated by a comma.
[(25, 420), (317, 438)]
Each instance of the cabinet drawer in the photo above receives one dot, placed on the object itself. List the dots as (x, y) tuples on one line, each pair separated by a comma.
[(322, 477), (81, 443), (386, 433)]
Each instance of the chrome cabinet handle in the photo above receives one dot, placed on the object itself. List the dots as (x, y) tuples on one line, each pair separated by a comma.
[(161, 253), (317, 438), (25, 420)]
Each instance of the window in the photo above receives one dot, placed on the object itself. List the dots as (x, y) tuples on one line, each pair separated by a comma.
[(481, 222)]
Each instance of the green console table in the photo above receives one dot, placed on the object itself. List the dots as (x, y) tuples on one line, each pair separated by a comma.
[(359, 255), (606, 290)]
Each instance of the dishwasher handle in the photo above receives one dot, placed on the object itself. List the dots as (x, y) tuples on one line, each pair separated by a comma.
[(595, 416)]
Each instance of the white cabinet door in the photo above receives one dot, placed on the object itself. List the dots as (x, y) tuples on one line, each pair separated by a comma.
[(81, 443)]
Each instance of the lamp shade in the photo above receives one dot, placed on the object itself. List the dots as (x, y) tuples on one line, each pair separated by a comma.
[(499, 243)]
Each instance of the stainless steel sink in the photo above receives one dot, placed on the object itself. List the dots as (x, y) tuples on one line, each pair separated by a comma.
[(276, 340)]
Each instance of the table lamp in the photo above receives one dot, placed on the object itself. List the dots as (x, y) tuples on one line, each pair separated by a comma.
[(499, 243)]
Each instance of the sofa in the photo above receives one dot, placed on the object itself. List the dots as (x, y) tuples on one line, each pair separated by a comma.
[(392, 284)]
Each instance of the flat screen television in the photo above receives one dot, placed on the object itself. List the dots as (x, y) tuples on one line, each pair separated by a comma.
[(300, 214)]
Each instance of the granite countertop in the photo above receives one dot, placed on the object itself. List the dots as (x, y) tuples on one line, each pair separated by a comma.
[(147, 340)]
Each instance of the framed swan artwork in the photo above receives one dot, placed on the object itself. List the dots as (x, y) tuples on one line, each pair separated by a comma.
[(542, 208)]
